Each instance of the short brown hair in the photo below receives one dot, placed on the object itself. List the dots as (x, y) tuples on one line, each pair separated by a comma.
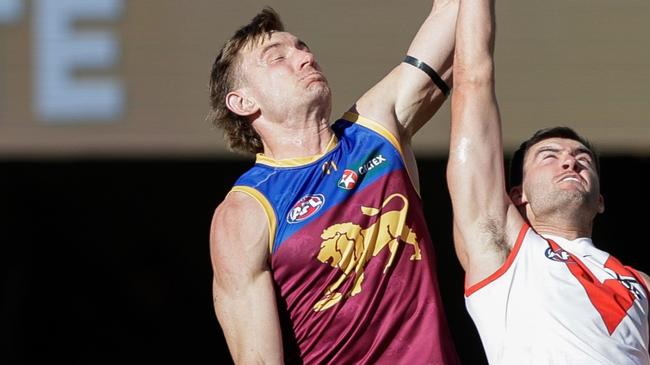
[(238, 131), (517, 161)]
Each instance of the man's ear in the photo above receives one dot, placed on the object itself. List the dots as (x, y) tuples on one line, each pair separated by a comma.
[(517, 196), (601, 204), (240, 103)]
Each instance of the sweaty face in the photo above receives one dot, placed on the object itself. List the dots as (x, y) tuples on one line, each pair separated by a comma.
[(283, 76), (560, 175)]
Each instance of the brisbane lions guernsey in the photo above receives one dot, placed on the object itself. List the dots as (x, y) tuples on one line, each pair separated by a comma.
[(351, 255), (557, 301)]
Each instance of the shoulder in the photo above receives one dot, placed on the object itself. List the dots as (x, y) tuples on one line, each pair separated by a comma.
[(368, 123), (373, 108), (236, 222), (235, 202), (237, 206), (238, 244), (645, 278), (254, 174)]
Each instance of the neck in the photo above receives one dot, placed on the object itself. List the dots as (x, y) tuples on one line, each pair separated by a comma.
[(295, 137), (569, 227)]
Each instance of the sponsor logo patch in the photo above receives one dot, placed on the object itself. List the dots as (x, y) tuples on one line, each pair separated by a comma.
[(348, 180), (374, 162), (306, 207)]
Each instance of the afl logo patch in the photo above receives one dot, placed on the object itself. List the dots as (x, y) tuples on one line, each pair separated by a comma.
[(558, 255), (306, 207)]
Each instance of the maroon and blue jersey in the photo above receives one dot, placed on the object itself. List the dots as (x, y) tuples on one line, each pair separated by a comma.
[(351, 255)]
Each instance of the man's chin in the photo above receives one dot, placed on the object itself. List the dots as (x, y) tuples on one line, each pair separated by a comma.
[(319, 84), (574, 199), (321, 90), (569, 195)]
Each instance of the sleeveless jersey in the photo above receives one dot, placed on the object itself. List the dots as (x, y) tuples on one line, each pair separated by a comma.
[(556, 301), (351, 254)]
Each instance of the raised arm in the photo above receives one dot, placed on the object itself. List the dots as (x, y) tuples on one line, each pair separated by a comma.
[(485, 220), (244, 298), (407, 97)]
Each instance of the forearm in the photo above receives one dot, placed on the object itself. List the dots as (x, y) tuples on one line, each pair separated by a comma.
[(475, 162), (475, 168), (407, 97), (475, 32), (434, 41), (419, 97), (249, 319)]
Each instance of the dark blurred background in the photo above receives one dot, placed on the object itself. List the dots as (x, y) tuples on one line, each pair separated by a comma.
[(109, 172), (107, 262)]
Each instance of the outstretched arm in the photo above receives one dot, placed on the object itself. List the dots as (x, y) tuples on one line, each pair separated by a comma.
[(244, 297), (407, 97), (485, 220)]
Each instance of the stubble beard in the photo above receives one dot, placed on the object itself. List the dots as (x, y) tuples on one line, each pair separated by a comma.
[(320, 95), (565, 204), (320, 90)]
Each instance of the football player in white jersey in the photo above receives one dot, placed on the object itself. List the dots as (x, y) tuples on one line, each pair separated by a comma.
[(537, 288)]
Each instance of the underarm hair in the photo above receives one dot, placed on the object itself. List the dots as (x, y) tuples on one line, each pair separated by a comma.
[(496, 233), (437, 80)]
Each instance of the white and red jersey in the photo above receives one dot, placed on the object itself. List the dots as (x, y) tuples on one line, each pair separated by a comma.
[(556, 301)]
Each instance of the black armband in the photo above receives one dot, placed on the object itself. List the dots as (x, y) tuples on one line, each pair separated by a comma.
[(440, 83)]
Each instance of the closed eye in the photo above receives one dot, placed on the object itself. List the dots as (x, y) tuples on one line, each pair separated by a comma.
[(546, 152), (303, 46), (585, 160)]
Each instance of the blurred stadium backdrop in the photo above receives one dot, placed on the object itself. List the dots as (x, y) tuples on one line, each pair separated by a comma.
[(109, 172)]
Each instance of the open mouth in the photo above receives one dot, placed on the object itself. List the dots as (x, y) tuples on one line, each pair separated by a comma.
[(571, 178)]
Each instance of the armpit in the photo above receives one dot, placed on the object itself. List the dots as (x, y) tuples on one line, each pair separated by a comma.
[(496, 235)]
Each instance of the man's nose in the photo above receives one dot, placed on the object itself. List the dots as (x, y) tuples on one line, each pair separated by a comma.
[(306, 59), (569, 163)]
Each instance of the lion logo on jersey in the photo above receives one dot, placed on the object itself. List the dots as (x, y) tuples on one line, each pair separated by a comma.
[(348, 247)]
